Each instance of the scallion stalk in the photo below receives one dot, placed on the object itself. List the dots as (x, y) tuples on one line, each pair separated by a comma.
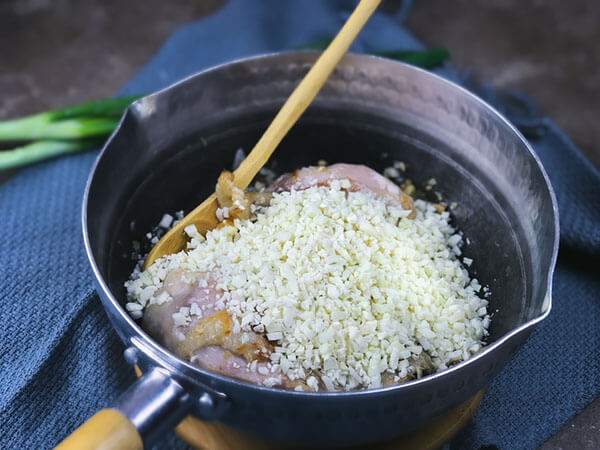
[(39, 150), (39, 127), (74, 122), (65, 130)]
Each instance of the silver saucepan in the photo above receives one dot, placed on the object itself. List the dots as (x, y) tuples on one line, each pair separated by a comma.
[(170, 147)]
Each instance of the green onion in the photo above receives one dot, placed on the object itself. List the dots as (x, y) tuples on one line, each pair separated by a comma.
[(428, 59), (319, 44), (38, 127), (87, 119), (65, 130), (39, 150), (112, 107)]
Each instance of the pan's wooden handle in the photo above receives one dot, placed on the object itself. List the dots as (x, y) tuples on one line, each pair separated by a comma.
[(107, 429), (155, 403)]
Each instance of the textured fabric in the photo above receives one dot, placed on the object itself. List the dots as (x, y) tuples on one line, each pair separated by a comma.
[(60, 360), (555, 374)]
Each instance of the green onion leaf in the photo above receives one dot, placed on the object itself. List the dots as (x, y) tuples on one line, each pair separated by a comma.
[(428, 59), (111, 107)]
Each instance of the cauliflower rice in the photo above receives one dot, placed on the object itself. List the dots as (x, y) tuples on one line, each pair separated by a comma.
[(341, 282)]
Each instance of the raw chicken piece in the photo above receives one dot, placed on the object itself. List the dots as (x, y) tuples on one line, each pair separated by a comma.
[(362, 179), (216, 359), (221, 361), (208, 339), (217, 329), (185, 290)]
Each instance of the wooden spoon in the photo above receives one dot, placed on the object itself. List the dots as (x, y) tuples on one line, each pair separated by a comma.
[(204, 216)]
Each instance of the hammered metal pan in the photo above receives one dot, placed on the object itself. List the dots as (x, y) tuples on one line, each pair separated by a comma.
[(168, 151)]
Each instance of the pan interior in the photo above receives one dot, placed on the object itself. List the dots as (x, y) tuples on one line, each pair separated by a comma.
[(178, 176)]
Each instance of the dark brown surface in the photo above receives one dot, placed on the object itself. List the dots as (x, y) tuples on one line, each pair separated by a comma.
[(545, 48), (57, 52), (583, 432)]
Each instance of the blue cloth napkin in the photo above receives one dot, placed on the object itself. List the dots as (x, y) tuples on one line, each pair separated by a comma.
[(60, 360)]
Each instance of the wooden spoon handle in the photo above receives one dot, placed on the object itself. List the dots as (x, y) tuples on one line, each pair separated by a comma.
[(304, 94), (203, 216)]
